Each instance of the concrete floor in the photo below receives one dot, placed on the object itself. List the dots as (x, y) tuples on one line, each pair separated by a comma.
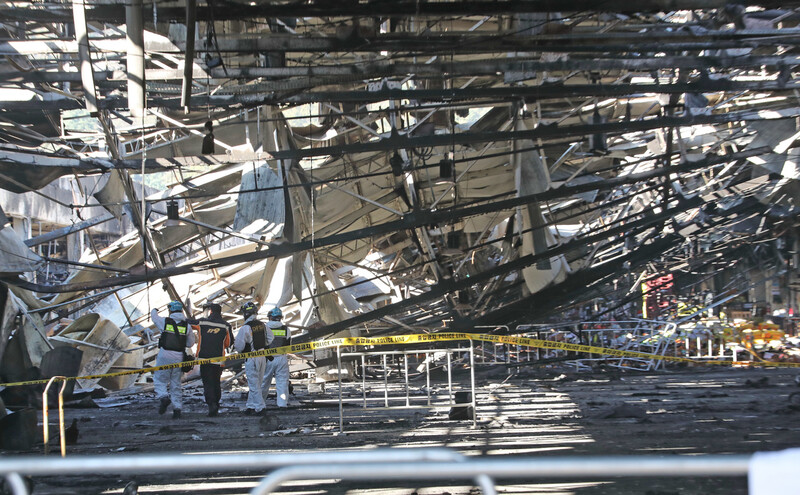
[(537, 413)]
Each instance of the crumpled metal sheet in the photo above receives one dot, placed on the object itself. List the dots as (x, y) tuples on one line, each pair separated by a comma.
[(262, 212), (533, 177), (16, 258)]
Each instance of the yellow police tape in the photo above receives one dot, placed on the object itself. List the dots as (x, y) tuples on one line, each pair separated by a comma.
[(415, 339)]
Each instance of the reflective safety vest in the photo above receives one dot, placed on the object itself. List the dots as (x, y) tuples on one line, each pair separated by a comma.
[(280, 336), (259, 332), (173, 337)]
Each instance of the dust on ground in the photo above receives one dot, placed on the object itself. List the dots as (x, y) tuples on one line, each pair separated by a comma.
[(536, 413)]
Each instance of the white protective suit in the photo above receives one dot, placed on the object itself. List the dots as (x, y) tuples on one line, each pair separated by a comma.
[(278, 367), (170, 378), (254, 367)]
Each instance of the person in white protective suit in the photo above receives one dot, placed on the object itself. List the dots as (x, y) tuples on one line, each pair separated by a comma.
[(253, 336), (279, 366), (176, 335)]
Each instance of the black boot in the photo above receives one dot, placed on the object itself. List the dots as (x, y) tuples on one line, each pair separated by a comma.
[(176, 414), (163, 405)]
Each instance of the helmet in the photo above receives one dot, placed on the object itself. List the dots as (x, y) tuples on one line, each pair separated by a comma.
[(275, 314), (174, 306), (248, 308), (215, 308)]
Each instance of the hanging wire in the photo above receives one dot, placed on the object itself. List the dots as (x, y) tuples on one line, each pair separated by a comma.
[(144, 203), (313, 280)]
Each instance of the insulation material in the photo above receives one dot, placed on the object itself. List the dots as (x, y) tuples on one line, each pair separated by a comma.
[(107, 340), (218, 215), (36, 343), (279, 287), (16, 258), (532, 177), (262, 212), (345, 295), (112, 194), (133, 359), (7, 317)]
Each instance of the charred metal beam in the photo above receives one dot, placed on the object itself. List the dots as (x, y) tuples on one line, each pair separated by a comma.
[(409, 221), (537, 92), (547, 300), (492, 67), (541, 132), (188, 57), (436, 69), (234, 11), (656, 40), (449, 286), (263, 94), (552, 298), (64, 231)]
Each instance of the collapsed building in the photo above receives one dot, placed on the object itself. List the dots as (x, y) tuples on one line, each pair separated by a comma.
[(384, 168)]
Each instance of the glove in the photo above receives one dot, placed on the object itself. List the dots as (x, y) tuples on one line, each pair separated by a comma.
[(270, 358)]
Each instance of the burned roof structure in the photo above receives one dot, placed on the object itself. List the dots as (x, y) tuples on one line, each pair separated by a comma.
[(384, 166)]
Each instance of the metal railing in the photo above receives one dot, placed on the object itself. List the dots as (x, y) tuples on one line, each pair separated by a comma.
[(45, 417), (429, 354), (650, 336), (378, 464)]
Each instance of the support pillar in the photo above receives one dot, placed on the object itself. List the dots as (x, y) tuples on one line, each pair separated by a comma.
[(87, 71), (136, 78)]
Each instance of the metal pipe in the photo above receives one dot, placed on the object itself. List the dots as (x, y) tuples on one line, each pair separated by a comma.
[(339, 378), (364, 378), (449, 377), (45, 415), (405, 369), (472, 385), (385, 382), (17, 484), (134, 27), (486, 483), (87, 71), (166, 463), (428, 376), (188, 58)]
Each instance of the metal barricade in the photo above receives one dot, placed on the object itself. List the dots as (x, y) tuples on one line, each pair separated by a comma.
[(377, 464), (649, 336), (45, 417), (428, 353)]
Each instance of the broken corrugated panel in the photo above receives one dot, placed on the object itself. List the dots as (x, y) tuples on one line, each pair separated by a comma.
[(107, 340), (261, 212), (532, 178), (17, 257)]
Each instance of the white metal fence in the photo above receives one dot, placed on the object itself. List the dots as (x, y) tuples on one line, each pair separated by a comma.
[(378, 465), (649, 336), (398, 362)]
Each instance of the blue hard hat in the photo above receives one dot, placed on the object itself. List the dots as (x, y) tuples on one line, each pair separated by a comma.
[(275, 314), (174, 306)]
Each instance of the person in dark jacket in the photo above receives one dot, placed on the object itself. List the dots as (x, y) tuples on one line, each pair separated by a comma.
[(214, 338)]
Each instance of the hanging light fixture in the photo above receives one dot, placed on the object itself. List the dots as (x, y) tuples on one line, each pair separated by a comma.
[(597, 142), (396, 162), (173, 213), (447, 168)]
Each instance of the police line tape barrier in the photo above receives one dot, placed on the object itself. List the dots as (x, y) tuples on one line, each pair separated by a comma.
[(415, 339)]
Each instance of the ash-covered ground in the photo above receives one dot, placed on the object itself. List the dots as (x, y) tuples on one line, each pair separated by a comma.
[(534, 412)]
